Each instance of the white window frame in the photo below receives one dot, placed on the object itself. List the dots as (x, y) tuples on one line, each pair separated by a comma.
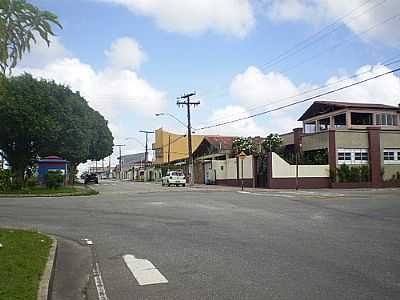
[(395, 161), (385, 116), (352, 153)]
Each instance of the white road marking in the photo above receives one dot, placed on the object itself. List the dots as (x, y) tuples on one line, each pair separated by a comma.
[(144, 271), (87, 241), (267, 194), (98, 281)]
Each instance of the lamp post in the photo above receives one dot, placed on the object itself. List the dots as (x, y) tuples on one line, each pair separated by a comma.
[(172, 116)]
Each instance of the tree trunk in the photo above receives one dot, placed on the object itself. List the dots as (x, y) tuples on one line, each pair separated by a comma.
[(18, 166)]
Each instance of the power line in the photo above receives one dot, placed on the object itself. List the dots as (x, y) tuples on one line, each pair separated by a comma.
[(342, 42), (297, 50), (385, 63), (300, 101), (314, 38)]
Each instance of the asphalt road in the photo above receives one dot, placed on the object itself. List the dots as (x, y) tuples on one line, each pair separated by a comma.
[(214, 244)]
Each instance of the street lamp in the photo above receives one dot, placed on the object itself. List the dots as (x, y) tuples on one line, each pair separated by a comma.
[(172, 116)]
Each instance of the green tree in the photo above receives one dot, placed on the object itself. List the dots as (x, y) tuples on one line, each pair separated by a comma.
[(20, 25), (40, 118), (272, 143), (243, 144)]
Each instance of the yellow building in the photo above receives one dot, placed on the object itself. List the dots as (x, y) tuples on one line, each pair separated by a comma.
[(174, 144)]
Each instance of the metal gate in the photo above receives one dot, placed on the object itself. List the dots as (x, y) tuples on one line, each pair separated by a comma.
[(261, 171)]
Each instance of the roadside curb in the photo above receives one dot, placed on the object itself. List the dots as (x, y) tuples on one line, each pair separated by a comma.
[(87, 191), (48, 274)]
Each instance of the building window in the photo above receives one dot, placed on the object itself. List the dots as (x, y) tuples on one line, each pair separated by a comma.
[(352, 156), (324, 124), (340, 121), (361, 118), (310, 127), (387, 120), (391, 156)]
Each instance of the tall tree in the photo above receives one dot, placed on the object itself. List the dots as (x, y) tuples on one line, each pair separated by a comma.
[(20, 25), (40, 118)]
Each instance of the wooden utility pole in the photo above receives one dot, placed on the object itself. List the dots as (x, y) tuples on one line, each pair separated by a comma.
[(186, 102), (146, 153), (120, 160), (169, 150)]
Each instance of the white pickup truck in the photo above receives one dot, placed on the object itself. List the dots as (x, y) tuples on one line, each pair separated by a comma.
[(174, 178)]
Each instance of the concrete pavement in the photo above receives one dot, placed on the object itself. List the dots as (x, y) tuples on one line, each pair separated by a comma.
[(228, 245)]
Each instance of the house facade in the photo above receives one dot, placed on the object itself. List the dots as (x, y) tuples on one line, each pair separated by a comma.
[(132, 167), (354, 134)]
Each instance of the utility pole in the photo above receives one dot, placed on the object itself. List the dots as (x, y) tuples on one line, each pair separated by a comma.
[(120, 160), (186, 102), (109, 166), (169, 150), (146, 154)]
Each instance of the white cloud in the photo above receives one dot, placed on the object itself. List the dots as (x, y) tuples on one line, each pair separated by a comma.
[(243, 128), (125, 53), (253, 87), (233, 17), (383, 90), (42, 54), (361, 15), (115, 91), (111, 91)]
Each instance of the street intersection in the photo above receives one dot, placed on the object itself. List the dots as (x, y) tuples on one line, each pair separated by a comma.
[(154, 242)]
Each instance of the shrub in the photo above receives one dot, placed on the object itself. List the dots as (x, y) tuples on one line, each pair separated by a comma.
[(54, 180), (31, 182), (353, 174), (365, 173), (343, 173), (5, 180)]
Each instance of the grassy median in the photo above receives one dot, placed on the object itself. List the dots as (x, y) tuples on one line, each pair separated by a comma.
[(22, 261), (43, 191)]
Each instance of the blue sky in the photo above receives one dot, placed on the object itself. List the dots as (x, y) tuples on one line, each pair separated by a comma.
[(132, 58)]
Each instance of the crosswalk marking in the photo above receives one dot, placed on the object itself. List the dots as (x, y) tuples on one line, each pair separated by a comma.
[(144, 271)]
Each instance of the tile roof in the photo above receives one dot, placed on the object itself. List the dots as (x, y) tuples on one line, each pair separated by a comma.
[(221, 142)]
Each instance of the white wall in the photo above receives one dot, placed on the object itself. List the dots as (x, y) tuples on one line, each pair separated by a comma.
[(229, 168), (281, 169)]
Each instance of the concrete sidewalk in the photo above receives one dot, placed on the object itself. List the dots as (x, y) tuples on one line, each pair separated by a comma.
[(72, 270)]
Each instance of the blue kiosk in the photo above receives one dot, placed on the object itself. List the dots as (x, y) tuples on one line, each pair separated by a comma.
[(51, 164)]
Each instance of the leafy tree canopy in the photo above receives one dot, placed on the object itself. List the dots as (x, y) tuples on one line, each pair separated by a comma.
[(20, 25), (40, 118), (272, 143), (243, 144)]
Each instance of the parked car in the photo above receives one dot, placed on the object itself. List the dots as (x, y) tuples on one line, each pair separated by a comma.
[(92, 177), (174, 178)]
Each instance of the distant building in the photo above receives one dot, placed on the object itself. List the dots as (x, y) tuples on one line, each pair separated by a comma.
[(133, 167)]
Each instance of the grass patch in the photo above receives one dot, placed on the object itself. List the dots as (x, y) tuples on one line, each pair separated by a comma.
[(22, 261), (43, 191)]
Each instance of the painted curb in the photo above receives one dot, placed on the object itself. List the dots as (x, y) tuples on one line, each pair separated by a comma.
[(48, 274)]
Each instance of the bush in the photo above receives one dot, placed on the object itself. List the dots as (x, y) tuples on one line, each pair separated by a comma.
[(31, 182), (54, 180), (343, 173), (5, 180), (353, 174)]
